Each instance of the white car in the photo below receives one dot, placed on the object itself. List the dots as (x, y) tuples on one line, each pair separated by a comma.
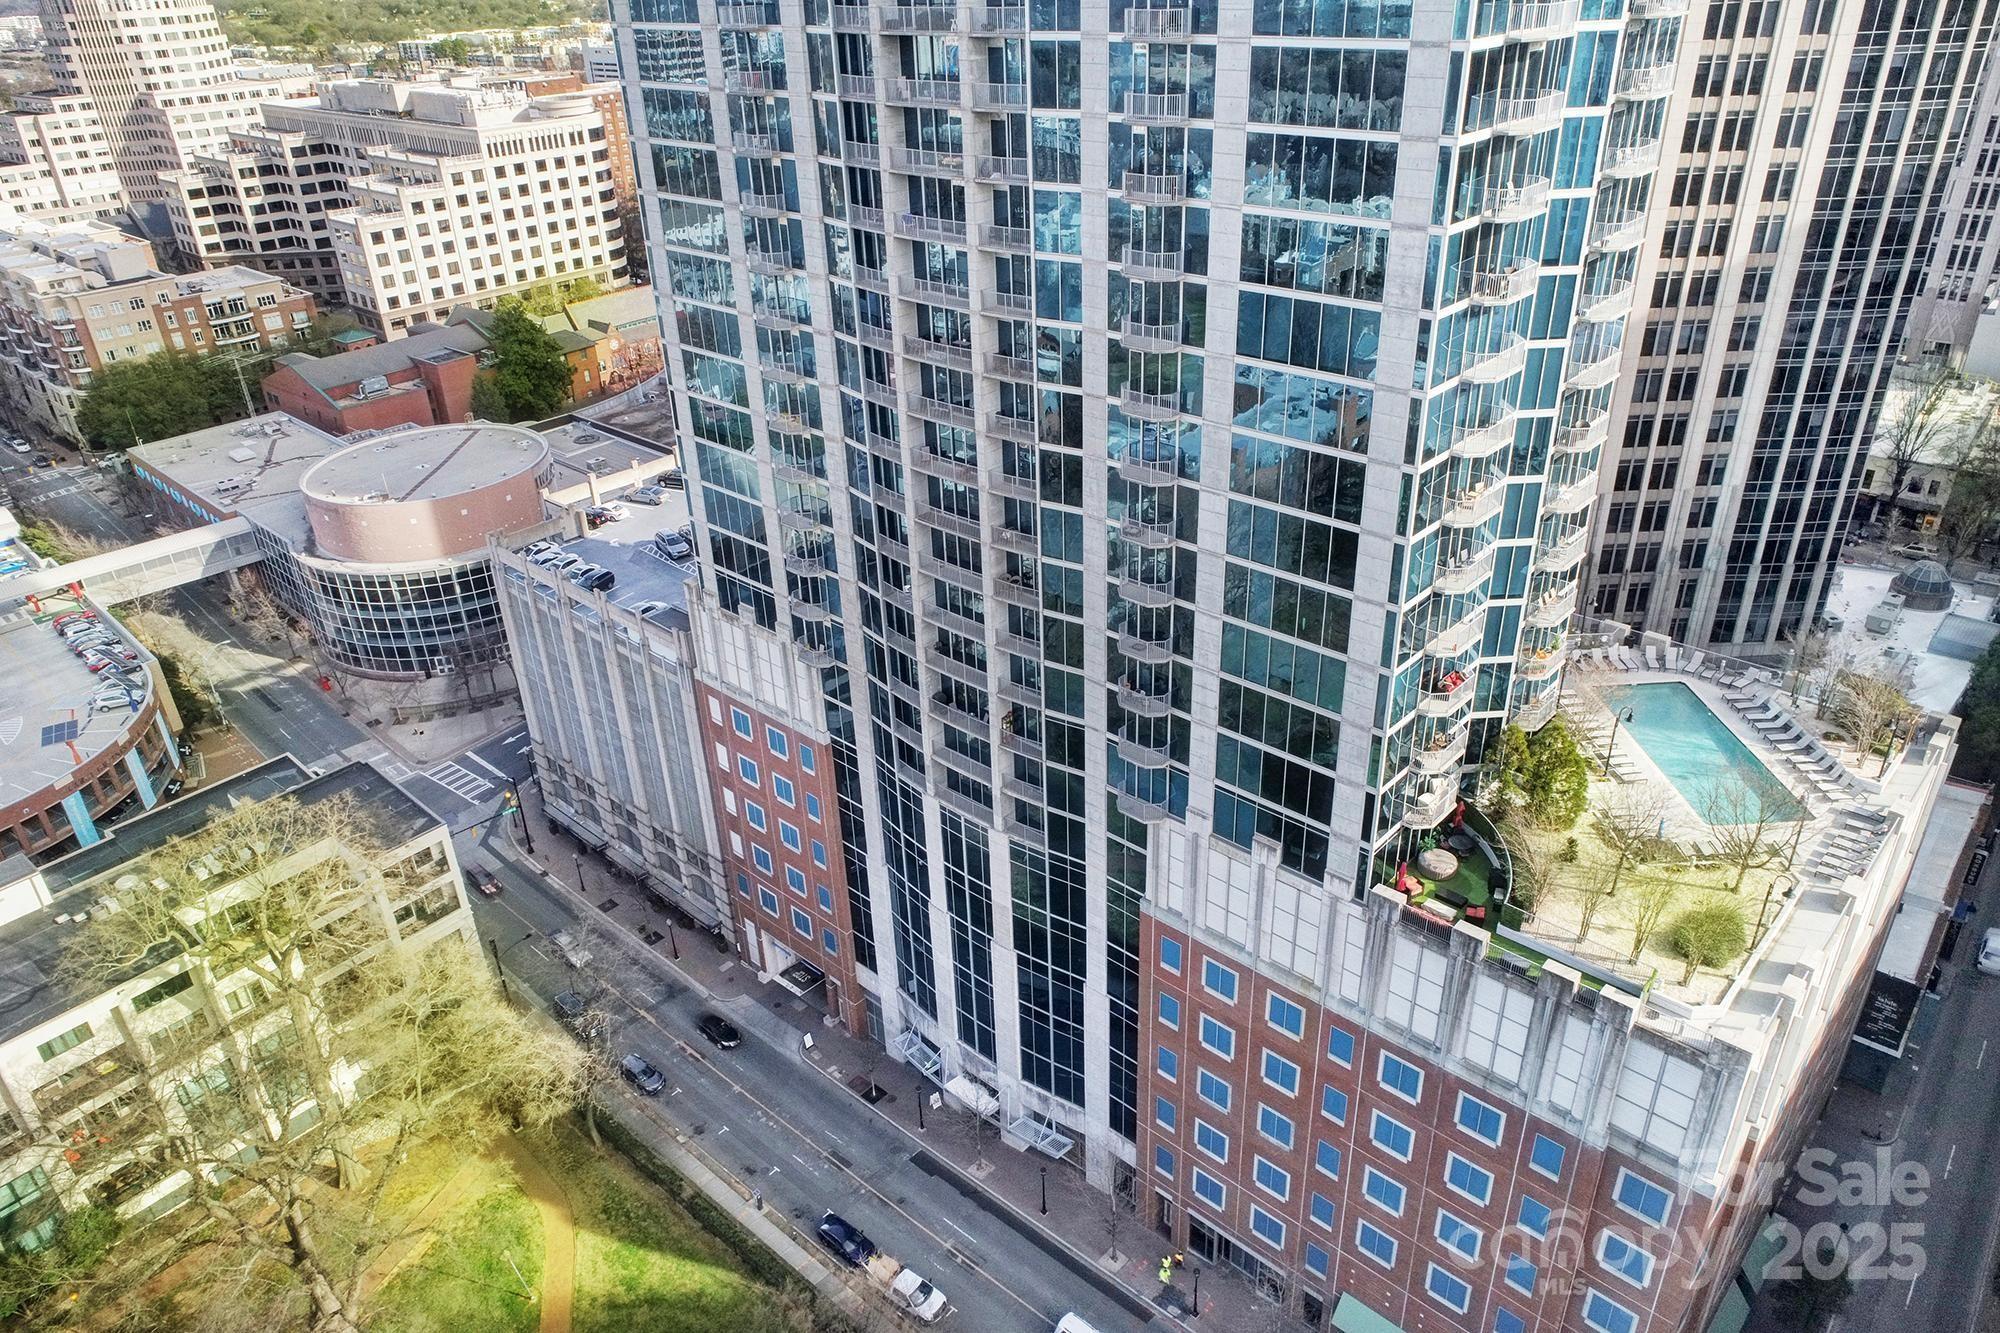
[(1989, 953)]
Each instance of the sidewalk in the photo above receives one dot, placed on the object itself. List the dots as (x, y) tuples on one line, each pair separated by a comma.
[(1078, 1226)]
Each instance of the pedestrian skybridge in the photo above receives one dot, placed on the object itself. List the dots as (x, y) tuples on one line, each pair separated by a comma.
[(133, 571)]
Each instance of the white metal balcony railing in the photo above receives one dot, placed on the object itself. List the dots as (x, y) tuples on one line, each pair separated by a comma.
[(1475, 505), (1444, 755), (934, 292), (756, 202), (1632, 159), (1011, 169), (855, 85), (1160, 265), (1582, 436), (1429, 805), (1571, 496), (749, 144), (1153, 534), (1154, 187), (1536, 20), (1139, 336), (1157, 470), (1619, 229), (1159, 20), (1640, 82), (924, 92), (1515, 113), (1477, 440), (1541, 663), (745, 16), (922, 227), (1611, 301), (861, 152), (1657, 9), (1536, 712), (1446, 693), (999, 97), (1008, 366), (1465, 574), (750, 81), (1551, 608), (1508, 285), (1509, 202), (1155, 107), (1150, 406), (919, 18), (995, 237), (956, 355), (1553, 557), (1593, 365), (929, 160), (1492, 364), (1453, 638), (994, 20)]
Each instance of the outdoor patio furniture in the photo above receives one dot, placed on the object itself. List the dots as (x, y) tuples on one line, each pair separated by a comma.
[(1693, 664), (1652, 657), (1460, 843), (1437, 863)]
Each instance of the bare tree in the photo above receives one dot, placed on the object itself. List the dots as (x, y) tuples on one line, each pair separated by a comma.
[(311, 1044), (1872, 706), (1591, 886), (1538, 870), (1631, 823), (1915, 424), (1653, 896), (261, 614), (1809, 651), (1972, 508), (1746, 822)]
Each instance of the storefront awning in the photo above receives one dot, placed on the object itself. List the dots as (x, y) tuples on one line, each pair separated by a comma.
[(912, 1047), (972, 1096), (1351, 1316), (1041, 1136)]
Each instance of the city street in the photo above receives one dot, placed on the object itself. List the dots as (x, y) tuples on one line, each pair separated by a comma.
[(1950, 1126), (780, 1126)]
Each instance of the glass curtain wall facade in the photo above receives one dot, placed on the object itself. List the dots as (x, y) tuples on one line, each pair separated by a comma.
[(1168, 441), (1799, 209)]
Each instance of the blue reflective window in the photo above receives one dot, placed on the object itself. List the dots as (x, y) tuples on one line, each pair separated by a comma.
[(1478, 1119), (1376, 1243), (1170, 1010), (1285, 1016), (1333, 1104), (1643, 1197), (1340, 1045), (1391, 1135), (1170, 955), (1274, 1126), (1401, 1077), (1468, 1179), (1218, 979), (1326, 1158)]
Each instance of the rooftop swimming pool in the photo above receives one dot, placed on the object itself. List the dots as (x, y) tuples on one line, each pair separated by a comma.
[(1697, 751)]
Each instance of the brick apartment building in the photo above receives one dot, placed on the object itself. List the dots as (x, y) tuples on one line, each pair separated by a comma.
[(424, 379), (79, 297)]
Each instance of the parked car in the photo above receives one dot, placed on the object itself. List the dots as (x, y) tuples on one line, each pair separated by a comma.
[(597, 516), (1989, 953), (562, 564), (122, 704), (21, 446), (571, 950), (598, 580), (845, 1239), (1915, 550), (642, 1075), (720, 1031), (647, 495), (673, 545), (674, 479), (575, 1013), (907, 1289)]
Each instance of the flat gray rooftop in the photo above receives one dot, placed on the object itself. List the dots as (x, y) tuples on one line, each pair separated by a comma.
[(248, 467), (430, 463), (47, 727)]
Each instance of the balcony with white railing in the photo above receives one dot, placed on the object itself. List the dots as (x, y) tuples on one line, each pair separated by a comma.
[(1474, 505), (1453, 638), (1483, 437), (1430, 803), (1143, 703), (764, 204), (1514, 201), (1504, 286), (1563, 553), (1444, 754), (1019, 303), (1464, 574), (1541, 663), (1632, 159), (1019, 429), (927, 160), (752, 81), (1150, 406), (1017, 485), (919, 18), (1490, 365), (1152, 265), (995, 237), (956, 355), (853, 18), (1657, 9), (1139, 336), (1552, 608), (1536, 712), (933, 292), (748, 144), (1154, 534), (1514, 113), (1152, 652), (923, 227), (1611, 300), (1640, 82), (1142, 754), (1619, 229), (1593, 364), (1570, 497), (1150, 187), (1534, 20), (1145, 592), (1445, 690), (855, 85), (862, 152), (746, 16), (924, 92), (1011, 169), (997, 20), (1157, 21), (1008, 366), (1155, 108)]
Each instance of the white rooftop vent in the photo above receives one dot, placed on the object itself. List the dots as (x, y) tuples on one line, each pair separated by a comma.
[(242, 454)]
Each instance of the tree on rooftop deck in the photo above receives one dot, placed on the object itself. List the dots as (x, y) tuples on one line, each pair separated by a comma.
[(1972, 506), (1541, 776), (308, 1038), (1630, 821), (551, 298), (1538, 868), (1748, 825), (1713, 934), (1873, 706), (1653, 896)]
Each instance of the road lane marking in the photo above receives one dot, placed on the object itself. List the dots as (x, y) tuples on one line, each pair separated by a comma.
[(1980, 1063), (488, 767), (859, 1180), (467, 786), (1949, 1158)]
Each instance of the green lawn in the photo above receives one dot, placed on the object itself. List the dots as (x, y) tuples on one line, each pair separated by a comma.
[(463, 1281), (643, 1265)]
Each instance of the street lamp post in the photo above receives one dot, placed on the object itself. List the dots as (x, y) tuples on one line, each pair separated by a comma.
[(1196, 1312), (1045, 1191), (673, 940), (493, 942), (577, 859), (1617, 716)]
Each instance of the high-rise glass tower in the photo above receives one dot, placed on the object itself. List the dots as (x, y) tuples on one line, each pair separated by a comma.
[(1171, 431), (1812, 148)]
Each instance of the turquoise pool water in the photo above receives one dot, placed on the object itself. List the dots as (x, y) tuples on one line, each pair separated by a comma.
[(1692, 746)]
